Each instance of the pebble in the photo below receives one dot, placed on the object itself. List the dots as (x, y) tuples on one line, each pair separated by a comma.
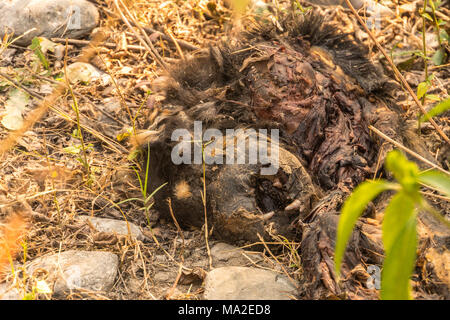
[(50, 18), (242, 283), (114, 226), (72, 270)]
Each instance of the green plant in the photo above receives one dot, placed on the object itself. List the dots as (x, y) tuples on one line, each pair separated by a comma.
[(441, 107), (78, 133), (37, 49), (439, 57), (145, 200), (399, 223)]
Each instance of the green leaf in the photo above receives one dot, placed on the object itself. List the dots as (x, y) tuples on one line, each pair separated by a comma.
[(438, 180), (397, 214), (404, 171), (444, 35), (422, 89), (352, 209), (427, 16), (438, 57), (73, 149), (29, 296), (133, 154), (399, 264), (36, 47), (433, 97), (437, 110), (154, 192)]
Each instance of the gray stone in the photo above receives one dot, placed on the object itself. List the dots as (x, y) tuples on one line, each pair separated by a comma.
[(241, 283), (114, 226), (224, 254), (371, 5), (9, 293), (51, 18), (86, 73), (72, 270)]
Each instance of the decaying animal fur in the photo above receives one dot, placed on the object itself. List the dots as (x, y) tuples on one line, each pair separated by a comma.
[(319, 89)]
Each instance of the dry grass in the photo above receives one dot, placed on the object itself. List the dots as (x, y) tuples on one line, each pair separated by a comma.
[(12, 232), (36, 168)]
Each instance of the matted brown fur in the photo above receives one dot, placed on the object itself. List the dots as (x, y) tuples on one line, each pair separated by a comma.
[(319, 89)]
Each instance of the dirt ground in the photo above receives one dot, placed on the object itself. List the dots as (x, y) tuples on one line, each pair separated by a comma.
[(41, 177)]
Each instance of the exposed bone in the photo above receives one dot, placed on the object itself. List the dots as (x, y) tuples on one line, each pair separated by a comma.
[(267, 215), (277, 184), (294, 205)]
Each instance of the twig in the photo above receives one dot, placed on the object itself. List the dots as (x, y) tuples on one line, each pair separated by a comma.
[(169, 202), (40, 111), (204, 205), (147, 43), (278, 262), (20, 86), (396, 71), (180, 272), (180, 52), (414, 154), (85, 42), (181, 43)]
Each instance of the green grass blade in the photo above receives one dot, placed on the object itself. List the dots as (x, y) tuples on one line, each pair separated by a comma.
[(147, 167), (129, 199), (155, 191), (437, 110), (405, 171), (140, 182), (399, 264), (396, 216), (437, 180), (352, 209)]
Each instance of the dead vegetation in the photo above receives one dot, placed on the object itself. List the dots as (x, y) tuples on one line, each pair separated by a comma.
[(42, 166)]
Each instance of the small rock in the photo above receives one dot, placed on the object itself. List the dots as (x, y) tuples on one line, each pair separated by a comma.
[(50, 18), (240, 283), (86, 73), (371, 5), (9, 293), (114, 226), (161, 277), (71, 270), (224, 255)]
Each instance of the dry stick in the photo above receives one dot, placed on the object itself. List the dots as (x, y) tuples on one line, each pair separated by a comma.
[(39, 112), (77, 114), (65, 116), (416, 155), (278, 262), (396, 71), (169, 202), (181, 43), (170, 293), (180, 52), (203, 194), (85, 42), (122, 98), (143, 265), (20, 86), (147, 44)]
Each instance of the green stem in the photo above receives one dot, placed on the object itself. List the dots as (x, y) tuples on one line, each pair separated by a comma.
[(436, 24)]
